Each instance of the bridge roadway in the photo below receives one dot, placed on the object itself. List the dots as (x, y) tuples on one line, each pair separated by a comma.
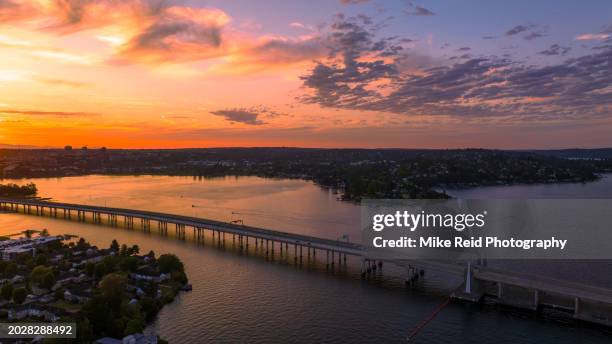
[(539, 288), (299, 240)]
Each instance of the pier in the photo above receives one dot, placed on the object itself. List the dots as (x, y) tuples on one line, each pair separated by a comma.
[(520, 290)]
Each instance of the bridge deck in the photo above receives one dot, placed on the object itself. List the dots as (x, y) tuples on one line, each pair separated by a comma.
[(528, 281), (289, 238), (546, 284)]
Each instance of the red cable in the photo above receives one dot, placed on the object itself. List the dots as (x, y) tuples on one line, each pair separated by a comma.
[(425, 321)]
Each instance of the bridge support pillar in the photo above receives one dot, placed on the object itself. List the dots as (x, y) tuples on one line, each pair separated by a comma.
[(363, 268), (576, 306), (468, 279), (412, 276)]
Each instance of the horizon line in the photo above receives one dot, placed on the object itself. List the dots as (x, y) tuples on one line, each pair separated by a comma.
[(29, 147)]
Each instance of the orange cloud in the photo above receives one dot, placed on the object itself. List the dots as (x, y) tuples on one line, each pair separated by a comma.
[(177, 34), (148, 30), (271, 53), (156, 32)]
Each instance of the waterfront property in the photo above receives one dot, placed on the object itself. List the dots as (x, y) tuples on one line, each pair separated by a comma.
[(582, 301), (13, 247), (59, 278)]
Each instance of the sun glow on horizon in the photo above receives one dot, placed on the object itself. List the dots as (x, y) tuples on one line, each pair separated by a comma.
[(142, 74)]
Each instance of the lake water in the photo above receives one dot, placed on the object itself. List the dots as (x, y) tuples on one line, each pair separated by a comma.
[(248, 298)]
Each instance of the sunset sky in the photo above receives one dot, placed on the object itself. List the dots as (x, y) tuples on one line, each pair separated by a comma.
[(317, 73)]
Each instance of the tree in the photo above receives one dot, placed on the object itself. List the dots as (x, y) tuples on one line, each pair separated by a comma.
[(129, 264), (11, 269), (135, 249), (84, 331), (90, 268), (134, 325), (30, 263), (110, 262), (7, 291), (98, 313), (112, 287), (44, 232), (41, 259), (179, 276), (59, 293), (151, 254), (114, 245), (38, 272), (43, 276), (169, 263), (99, 270), (19, 295), (47, 281), (149, 308), (124, 250)]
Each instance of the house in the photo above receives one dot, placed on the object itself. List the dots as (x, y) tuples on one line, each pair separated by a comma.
[(149, 274), (39, 291), (78, 296), (64, 279), (36, 310), (17, 279), (137, 338), (98, 257), (9, 249), (55, 259), (18, 313), (108, 340), (70, 277), (134, 289), (46, 298)]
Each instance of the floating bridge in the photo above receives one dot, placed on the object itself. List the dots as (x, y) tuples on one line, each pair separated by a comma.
[(515, 289)]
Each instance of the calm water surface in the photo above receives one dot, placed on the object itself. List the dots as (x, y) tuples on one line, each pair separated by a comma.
[(247, 298)]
